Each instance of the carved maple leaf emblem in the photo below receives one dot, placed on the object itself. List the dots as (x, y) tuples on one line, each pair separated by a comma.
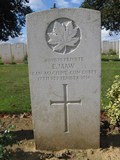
[(63, 35)]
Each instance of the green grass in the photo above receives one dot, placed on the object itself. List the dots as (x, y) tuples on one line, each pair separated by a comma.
[(109, 70), (110, 57), (14, 86)]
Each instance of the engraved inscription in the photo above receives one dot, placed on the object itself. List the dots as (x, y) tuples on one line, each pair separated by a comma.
[(64, 75), (63, 36), (65, 59), (63, 66), (65, 102), (62, 69)]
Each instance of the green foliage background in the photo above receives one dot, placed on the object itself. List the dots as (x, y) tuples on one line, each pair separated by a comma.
[(110, 12), (113, 109)]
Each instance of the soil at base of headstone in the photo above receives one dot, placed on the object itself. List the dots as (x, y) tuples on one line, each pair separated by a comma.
[(25, 149)]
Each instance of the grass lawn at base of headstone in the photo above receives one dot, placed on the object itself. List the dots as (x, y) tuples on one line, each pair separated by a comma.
[(14, 86), (14, 89), (109, 70)]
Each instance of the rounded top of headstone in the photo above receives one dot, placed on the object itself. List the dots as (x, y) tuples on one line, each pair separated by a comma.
[(63, 10)]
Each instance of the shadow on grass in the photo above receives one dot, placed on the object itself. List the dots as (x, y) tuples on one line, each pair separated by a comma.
[(104, 59), (23, 135), (21, 155), (38, 155), (105, 140), (110, 140)]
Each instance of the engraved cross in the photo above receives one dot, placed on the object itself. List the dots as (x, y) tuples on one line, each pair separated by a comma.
[(65, 102)]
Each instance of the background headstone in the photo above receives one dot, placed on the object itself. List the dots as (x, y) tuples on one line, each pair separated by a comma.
[(6, 53), (18, 52), (117, 47), (106, 46), (111, 45), (0, 51), (114, 45), (64, 72), (25, 49)]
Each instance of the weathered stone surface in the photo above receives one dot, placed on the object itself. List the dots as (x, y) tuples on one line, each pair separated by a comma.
[(18, 52), (64, 73), (6, 53)]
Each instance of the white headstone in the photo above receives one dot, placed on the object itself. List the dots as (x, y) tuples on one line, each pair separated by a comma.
[(18, 52), (114, 45), (6, 53), (106, 46), (64, 73), (117, 47), (111, 45), (0, 51)]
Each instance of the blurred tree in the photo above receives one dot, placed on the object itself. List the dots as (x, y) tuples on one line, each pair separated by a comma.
[(110, 13), (12, 17)]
